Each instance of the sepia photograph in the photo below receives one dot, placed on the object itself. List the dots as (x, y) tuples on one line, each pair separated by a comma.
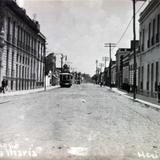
[(79, 79)]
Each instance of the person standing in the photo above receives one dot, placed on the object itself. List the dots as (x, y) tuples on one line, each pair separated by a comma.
[(3, 85)]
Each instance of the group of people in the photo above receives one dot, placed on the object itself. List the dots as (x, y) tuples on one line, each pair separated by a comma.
[(4, 85)]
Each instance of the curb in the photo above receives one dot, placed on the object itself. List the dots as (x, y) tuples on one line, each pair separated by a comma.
[(16, 93), (136, 100)]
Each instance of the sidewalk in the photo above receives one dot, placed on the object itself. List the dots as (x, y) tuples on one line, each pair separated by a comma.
[(22, 92), (152, 102)]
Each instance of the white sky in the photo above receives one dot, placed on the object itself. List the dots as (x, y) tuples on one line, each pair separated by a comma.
[(79, 28)]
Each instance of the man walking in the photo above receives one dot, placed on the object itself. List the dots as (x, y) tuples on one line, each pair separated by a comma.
[(4, 85)]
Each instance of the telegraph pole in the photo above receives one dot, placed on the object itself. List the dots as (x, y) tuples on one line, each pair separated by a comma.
[(62, 56), (110, 45), (134, 48), (44, 67), (96, 66)]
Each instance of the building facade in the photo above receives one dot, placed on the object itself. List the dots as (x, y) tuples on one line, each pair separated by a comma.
[(150, 49), (22, 57), (113, 73), (120, 54), (50, 69)]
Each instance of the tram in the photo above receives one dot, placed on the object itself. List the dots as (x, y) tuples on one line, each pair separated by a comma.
[(65, 77)]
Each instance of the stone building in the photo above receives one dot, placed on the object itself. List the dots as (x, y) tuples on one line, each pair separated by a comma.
[(22, 57), (150, 48)]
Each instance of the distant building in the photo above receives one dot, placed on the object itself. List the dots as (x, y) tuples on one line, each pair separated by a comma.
[(22, 56), (131, 65), (120, 54), (150, 49), (50, 69), (113, 73), (106, 76), (50, 63)]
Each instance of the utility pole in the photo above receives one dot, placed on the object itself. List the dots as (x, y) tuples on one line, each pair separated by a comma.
[(110, 45), (44, 67), (96, 66), (62, 56), (134, 47)]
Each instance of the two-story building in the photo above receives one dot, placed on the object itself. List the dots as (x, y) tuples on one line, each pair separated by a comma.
[(22, 56), (150, 48)]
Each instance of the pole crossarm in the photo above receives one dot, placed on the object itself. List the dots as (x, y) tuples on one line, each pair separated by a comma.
[(109, 44)]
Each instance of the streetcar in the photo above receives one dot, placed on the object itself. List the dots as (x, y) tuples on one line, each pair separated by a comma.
[(65, 79)]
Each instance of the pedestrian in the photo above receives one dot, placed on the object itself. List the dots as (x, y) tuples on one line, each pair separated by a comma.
[(3, 85)]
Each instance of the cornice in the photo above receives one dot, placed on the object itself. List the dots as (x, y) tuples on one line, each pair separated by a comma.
[(149, 9)]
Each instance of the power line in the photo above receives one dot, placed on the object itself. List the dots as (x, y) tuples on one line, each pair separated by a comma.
[(128, 25)]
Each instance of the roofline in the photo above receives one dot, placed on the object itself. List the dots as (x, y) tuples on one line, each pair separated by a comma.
[(149, 9), (21, 13)]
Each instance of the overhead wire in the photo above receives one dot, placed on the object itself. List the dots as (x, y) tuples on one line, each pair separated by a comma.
[(125, 31)]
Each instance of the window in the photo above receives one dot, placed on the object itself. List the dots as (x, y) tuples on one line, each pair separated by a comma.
[(16, 76), (16, 70), (157, 75), (17, 57), (21, 35), (8, 29), (158, 25), (153, 31), (23, 72), (12, 65), (148, 76), (7, 60), (19, 71), (11, 84), (142, 77), (152, 76), (20, 59), (18, 35), (149, 34), (143, 34), (13, 32), (23, 59)]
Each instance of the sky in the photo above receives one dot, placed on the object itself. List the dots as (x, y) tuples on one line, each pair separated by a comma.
[(79, 28)]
